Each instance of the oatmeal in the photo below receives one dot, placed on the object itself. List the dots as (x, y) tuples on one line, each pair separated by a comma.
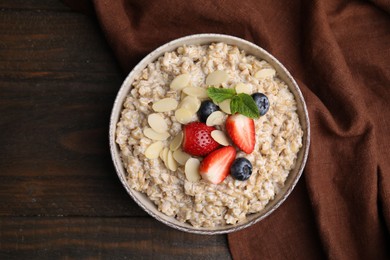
[(165, 98)]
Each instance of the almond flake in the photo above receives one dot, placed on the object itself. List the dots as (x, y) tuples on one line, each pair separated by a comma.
[(216, 78), (191, 170), (220, 137), (190, 103), (150, 133), (153, 151), (157, 123), (243, 88), (215, 118), (181, 157), (172, 165), (180, 82), (265, 73), (183, 115), (225, 106), (176, 142), (182, 95), (164, 156), (165, 105), (196, 92)]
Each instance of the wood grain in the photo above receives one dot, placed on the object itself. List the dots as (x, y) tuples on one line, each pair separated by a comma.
[(103, 238), (60, 197), (58, 81), (33, 5)]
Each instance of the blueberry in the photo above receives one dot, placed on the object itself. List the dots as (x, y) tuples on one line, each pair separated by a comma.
[(262, 102), (241, 169), (206, 108)]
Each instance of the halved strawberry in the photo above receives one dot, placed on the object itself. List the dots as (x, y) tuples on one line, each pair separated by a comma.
[(197, 139), (216, 166), (241, 130)]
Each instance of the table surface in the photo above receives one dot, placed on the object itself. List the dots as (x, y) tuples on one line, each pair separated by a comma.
[(59, 194)]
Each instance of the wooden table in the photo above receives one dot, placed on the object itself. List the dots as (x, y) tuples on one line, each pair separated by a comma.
[(59, 194)]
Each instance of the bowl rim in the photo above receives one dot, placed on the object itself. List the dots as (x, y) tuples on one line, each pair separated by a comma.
[(118, 106)]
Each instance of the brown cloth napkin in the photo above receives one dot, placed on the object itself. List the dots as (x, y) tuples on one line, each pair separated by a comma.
[(339, 53)]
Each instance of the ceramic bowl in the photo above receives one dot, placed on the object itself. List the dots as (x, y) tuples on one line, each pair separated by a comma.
[(143, 201)]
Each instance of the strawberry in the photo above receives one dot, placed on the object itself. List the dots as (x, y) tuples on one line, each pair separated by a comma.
[(197, 139), (216, 166), (241, 130)]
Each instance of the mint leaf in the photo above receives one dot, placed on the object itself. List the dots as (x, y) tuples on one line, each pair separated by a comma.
[(234, 104), (245, 105), (220, 94), (248, 106), (240, 103)]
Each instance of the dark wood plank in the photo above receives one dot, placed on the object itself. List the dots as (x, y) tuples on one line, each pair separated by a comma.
[(103, 238), (58, 81), (33, 5), (54, 46), (59, 194)]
